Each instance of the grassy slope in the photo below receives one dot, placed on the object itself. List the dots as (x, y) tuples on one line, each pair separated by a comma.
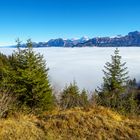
[(76, 124)]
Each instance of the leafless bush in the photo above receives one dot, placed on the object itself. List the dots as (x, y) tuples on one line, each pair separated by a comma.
[(6, 101)]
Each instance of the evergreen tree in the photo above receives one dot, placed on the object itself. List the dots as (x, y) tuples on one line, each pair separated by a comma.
[(84, 98), (115, 81), (118, 92), (7, 98), (3, 66), (70, 96), (30, 79), (116, 74), (131, 102), (5, 72)]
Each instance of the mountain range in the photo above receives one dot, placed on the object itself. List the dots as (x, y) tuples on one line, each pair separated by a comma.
[(61, 42), (131, 39)]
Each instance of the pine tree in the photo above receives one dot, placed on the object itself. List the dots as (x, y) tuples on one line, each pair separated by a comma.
[(3, 65), (84, 98), (115, 81), (115, 73), (7, 98), (30, 79), (70, 96), (130, 98)]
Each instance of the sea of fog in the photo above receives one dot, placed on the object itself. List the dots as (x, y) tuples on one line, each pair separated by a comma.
[(84, 65)]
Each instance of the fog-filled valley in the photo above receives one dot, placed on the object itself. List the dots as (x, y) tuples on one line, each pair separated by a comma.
[(84, 65)]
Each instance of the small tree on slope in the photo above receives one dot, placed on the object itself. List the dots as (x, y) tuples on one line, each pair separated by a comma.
[(71, 97), (114, 81)]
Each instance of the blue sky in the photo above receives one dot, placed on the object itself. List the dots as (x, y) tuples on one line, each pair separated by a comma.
[(42, 20)]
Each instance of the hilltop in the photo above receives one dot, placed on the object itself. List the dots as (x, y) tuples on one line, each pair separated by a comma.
[(74, 124)]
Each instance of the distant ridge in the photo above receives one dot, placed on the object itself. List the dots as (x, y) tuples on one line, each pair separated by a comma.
[(132, 39)]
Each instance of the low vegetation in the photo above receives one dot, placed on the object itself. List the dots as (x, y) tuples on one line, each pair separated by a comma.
[(71, 97), (96, 123), (20, 127), (30, 110)]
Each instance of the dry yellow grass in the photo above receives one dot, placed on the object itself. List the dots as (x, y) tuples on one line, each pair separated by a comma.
[(20, 128), (96, 123)]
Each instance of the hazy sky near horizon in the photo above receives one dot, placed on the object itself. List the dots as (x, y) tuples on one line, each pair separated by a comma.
[(42, 20)]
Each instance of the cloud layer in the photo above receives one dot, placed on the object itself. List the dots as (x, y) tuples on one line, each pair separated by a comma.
[(84, 65)]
